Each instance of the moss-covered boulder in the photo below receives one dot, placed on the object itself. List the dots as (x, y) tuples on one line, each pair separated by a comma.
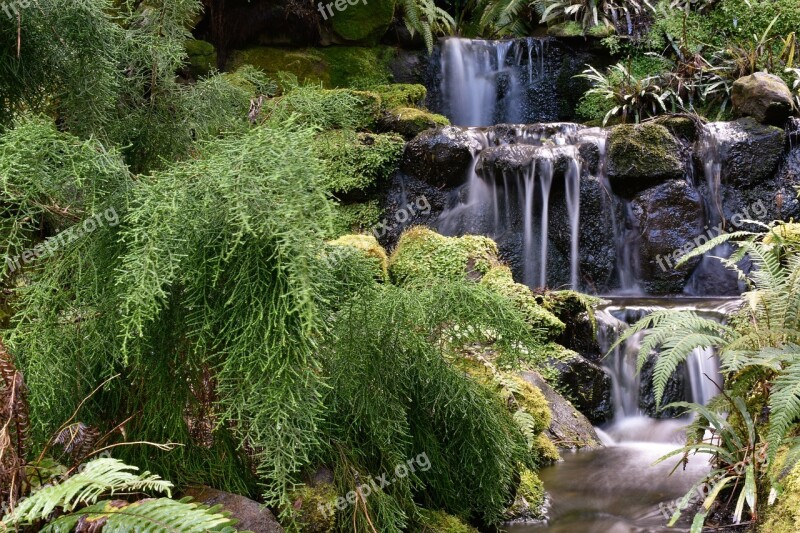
[(587, 385), (441, 522), (362, 21), (530, 498), (368, 245), (358, 217), (410, 121), (500, 280), (640, 156), (202, 57), (357, 161), (401, 95), (313, 508), (569, 28), (250, 515), (333, 66), (763, 96), (424, 256)]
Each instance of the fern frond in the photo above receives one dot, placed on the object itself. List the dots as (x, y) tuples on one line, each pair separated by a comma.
[(784, 403)]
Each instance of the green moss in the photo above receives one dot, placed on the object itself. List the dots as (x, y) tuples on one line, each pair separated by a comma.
[(784, 515), (363, 22), (423, 256), (356, 218), (788, 232), (401, 94), (500, 280), (545, 452), (601, 31), (371, 249), (333, 66), (410, 122), (569, 304), (643, 152), (202, 57), (441, 522), (530, 497), (357, 161), (566, 29), (309, 505)]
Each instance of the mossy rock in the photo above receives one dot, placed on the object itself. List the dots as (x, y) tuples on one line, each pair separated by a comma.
[(500, 280), (362, 21), (410, 121), (401, 95), (310, 508), (357, 161), (202, 57), (784, 515), (681, 127), (358, 217), (530, 498), (424, 256), (333, 66), (545, 451), (640, 156), (569, 28), (788, 232), (441, 522), (369, 246), (601, 31)]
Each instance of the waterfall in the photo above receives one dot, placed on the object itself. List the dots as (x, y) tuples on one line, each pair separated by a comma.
[(516, 179), (492, 82), (700, 376)]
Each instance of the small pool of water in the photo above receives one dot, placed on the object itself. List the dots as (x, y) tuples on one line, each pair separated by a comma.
[(617, 489)]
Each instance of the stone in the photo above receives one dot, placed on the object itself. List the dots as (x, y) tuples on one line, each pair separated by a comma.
[(516, 159), (675, 391), (748, 152), (410, 121), (569, 429), (588, 385), (765, 97), (251, 515), (441, 156), (670, 219), (363, 22), (640, 156)]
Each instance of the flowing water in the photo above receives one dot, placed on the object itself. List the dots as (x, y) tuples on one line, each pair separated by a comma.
[(523, 175)]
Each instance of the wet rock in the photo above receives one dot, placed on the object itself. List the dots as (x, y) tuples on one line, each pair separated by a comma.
[(518, 159), (410, 121), (410, 202), (640, 156), (765, 97), (250, 514), (588, 385), (669, 218), (441, 156), (748, 152), (568, 427), (675, 391)]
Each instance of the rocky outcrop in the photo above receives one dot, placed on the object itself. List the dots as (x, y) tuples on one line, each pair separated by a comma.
[(440, 156), (640, 156), (251, 515), (747, 151), (410, 121), (517, 159), (587, 384), (765, 97), (568, 428), (669, 217)]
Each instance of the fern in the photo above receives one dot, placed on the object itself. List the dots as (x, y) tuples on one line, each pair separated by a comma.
[(427, 19)]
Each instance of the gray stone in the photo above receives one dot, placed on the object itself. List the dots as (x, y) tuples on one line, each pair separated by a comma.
[(251, 515), (765, 97), (669, 218), (441, 156), (640, 156), (569, 428)]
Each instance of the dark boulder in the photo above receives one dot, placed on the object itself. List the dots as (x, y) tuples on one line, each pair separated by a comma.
[(748, 152), (520, 159), (587, 384), (675, 391), (670, 219), (441, 156), (251, 515), (763, 96), (640, 156)]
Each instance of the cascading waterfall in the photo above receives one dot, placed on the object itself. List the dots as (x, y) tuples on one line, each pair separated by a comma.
[(509, 191), (492, 82)]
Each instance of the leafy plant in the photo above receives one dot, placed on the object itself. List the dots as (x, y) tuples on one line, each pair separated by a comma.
[(425, 18), (591, 13), (795, 84), (629, 96)]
